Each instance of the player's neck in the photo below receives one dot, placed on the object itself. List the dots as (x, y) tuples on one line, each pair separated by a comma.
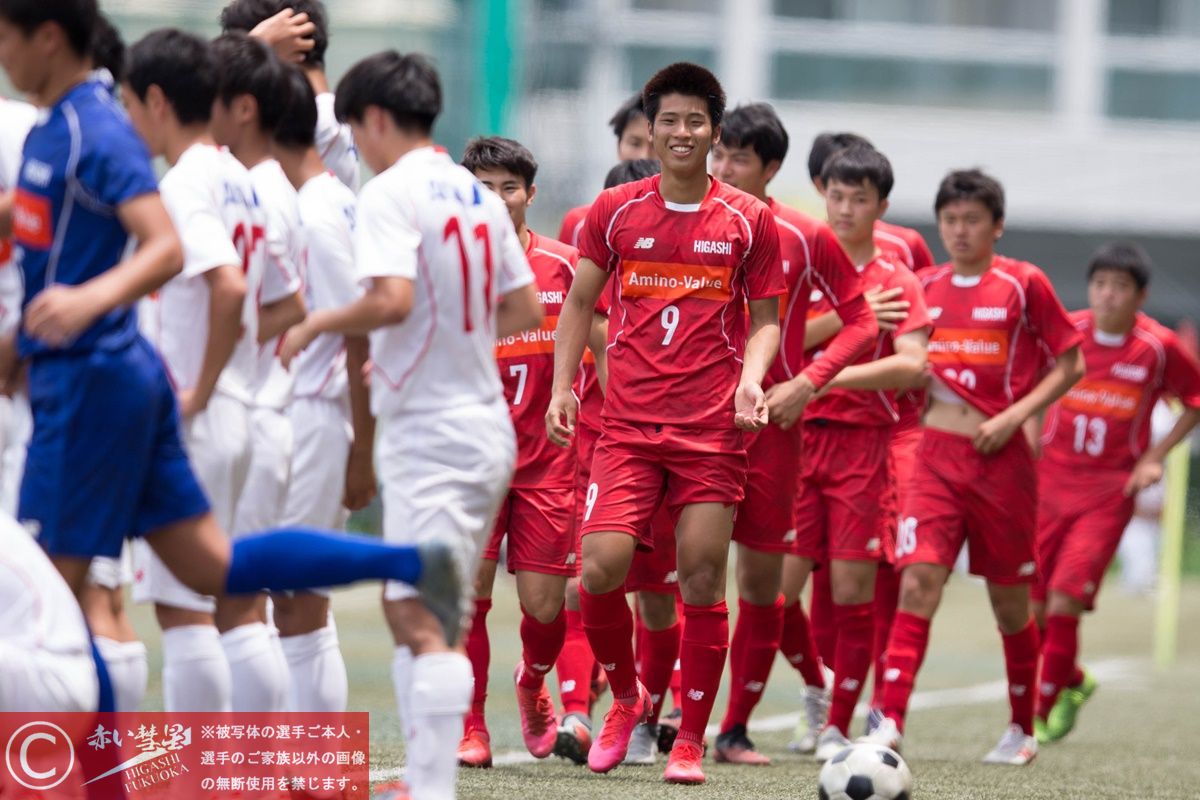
[(860, 253), (975, 266), (401, 144), (178, 140), (252, 149), (524, 234), (684, 189), (1114, 326), (316, 77), (299, 166), (62, 78)]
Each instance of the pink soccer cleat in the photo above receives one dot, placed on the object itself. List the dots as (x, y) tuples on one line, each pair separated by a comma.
[(683, 765), (539, 727), (612, 744)]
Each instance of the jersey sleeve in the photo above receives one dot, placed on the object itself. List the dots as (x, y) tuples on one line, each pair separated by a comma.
[(281, 277), (386, 238), (117, 168), (206, 242), (832, 272), (1047, 317), (593, 236), (918, 311), (764, 264), (513, 271), (1181, 374)]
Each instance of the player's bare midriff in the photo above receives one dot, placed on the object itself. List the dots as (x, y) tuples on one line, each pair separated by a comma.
[(959, 418)]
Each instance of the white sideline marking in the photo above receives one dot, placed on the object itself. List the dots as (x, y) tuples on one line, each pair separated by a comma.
[(1118, 670)]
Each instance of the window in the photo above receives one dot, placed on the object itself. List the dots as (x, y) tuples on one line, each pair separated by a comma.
[(807, 76), (694, 6), (1017, 14), (555, 66), (1146, 94), (645, 61), (1148, 17)]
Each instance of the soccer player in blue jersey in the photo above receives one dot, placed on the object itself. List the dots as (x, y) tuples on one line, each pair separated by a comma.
[(105, 460)]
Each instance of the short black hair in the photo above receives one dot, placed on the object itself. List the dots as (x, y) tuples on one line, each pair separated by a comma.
[(406, 86), (496, 152), (108, 49), (757, 126), (825, 145), (631, 170), (297, 127), (856, 164), (971, 184), (1122, 256), (690, 80), (246, 65), (630, 110), (181, 64), (244, 15), (77, 18)]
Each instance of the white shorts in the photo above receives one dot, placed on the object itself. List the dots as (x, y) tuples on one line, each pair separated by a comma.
[(16, 426), (112, 573), (218, 445), (322, 437), (265, 491), (40, 680), (444, 476)]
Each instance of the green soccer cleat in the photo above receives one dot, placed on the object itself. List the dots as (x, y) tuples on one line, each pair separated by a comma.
[(1039, 730), (1061, 720)]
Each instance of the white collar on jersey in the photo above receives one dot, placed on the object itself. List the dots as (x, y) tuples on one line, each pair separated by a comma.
[(688, 207), (965, 281), (1109, 339)]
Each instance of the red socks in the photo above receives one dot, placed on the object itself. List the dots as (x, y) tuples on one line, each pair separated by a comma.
[(1021, 662), (855, 633), (820, 612), (905, 652), (887, 598), (677, 675), (574, 666), (1060, 651), (609, 625), (705, 645), (658, 652), (479, 652), (540, 645), (755, 641), (798, 646)]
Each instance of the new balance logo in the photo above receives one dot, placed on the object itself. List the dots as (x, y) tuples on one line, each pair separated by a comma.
[(695, 694), (873, 544), (644, 243), (790, 536), (787, 266), (609, 667), (655, 698), (816, 296), (797, 659), (705, 246), (935, 312), (849, 685), (541, 667), (891, 675), (989, 313), (672, 577), (1049, 688), (1129, 372), (754, 686), (570, 559), (38, 173), (1016, 690), (1027, 569), (567, 686)]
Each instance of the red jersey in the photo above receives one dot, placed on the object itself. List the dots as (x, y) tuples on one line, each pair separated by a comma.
[(1104, 420), (813, 260), (857, 407), (904, 245), (985, 321), (591, 396), (572, 224), (526, 363), (677, 327)]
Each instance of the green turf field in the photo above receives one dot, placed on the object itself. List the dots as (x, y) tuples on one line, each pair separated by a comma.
[(1134, 740)]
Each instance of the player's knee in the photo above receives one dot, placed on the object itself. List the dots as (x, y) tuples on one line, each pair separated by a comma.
[(657, 610), (703, 585), (920, 591), (1060, 604), (600, 577)]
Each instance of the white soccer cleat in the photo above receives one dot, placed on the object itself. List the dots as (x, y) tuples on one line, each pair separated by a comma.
[(886, 734), (830, 743), (816, 714), (643, 745), (1015, 748)]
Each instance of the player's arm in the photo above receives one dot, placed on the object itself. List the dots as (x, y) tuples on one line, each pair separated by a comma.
[(598, 344), (289, 34), (750, 402), (59, 313), (905, 369), (360, 466), (227, 297), (7, 199), (571, 336), (1181, 378), (519, 310), (275, 318), (889, 312), (1066, 372), (387, 301)]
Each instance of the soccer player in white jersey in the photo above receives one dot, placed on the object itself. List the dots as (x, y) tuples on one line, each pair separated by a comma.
[(298, 32), (444, 276), (332, 466)]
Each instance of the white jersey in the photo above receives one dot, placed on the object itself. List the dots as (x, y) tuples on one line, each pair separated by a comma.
[(213, 205), (16, 118), (335, 144), (38, 611), (428, 220), (284, 250), (327, 273)]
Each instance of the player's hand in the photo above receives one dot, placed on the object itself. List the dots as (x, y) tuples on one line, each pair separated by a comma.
[(994, 433), (191, 404), (294, 340), (1145, 473), (889, 312), (786, 401), (59, 314), (10, 364), (289, 34), (361, 485), (560, 418), (750, 407)]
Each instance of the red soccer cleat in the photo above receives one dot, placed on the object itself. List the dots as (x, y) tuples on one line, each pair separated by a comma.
[(475, 749), (683, 765), (538, 724), (610, 747)]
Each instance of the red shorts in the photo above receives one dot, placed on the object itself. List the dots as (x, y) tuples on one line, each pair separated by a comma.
[(636, 467), (843, 484), (1081, 518), (764, 519), (957, 494), (902, 460), (585, 442), (655, 571), (540, 524)]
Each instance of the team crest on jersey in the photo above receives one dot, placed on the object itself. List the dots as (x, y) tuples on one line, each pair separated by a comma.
[(39, 173), (1129, 372)]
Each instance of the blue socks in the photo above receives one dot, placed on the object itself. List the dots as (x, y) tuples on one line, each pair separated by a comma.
[(291, 559)]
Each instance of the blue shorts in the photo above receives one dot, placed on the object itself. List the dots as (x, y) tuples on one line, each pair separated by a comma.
[(106, 460)]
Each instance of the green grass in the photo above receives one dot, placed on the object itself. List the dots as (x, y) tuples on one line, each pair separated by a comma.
[(1134, 739)]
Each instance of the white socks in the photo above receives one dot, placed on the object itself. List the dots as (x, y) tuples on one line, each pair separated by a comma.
[(439, 695), (258, 668), (195, 673), (318, 671), (402, 663), (128, 670)]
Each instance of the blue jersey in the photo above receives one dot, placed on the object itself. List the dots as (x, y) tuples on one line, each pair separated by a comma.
[(81, 161)]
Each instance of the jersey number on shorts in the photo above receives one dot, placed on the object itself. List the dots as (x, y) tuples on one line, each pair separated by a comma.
[(670, 321), (454, 228), (1089, 435), (906, 537), (520, 372), (590, 500)]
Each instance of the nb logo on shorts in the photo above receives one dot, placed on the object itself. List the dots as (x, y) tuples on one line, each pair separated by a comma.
[(1027, 569), (873, 544), (644, 243), (790, 536), (672, 577)]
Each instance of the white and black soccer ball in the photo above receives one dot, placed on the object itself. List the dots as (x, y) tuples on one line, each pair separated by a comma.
[(865, 772)]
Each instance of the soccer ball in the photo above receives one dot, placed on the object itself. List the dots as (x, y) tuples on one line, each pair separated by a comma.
[(865, 772)]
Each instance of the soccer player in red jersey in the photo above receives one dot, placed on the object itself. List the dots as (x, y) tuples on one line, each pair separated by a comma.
[(633, 143), (684, 379), (975, 479), (840, 523), (1096, 457), (751, 151)]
